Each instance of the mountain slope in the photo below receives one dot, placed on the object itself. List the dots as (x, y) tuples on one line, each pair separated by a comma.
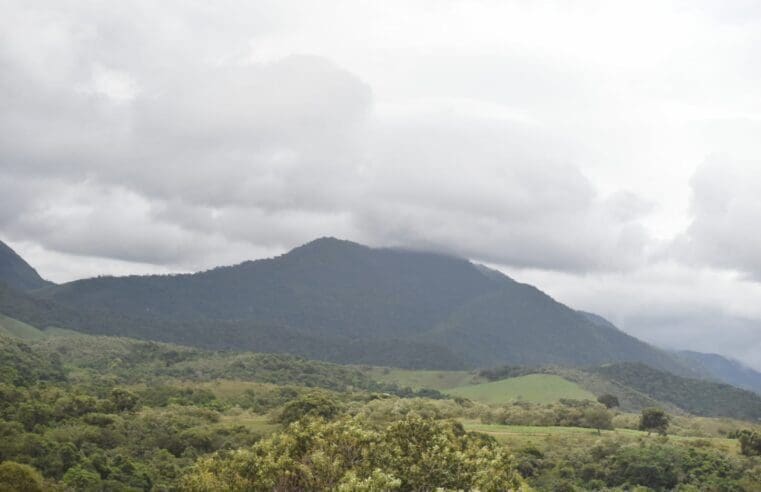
[(380, 306), (723, 369), (16, 272), (223, 334), (698, 397)]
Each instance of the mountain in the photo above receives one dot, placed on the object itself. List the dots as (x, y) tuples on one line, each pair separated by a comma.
[(226, 334), (341, 301), (17, 273), (696, 396), (723, 369)]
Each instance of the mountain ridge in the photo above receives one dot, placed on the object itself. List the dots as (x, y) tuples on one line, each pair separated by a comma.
[(341, 301), (17, 273)]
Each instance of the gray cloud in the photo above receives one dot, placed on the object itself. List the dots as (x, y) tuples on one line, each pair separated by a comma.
[(554, 141), (726, 208)]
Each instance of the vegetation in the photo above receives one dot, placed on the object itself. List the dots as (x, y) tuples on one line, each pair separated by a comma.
[(410, 454), (654, 420), (105, 413), (610, 401), (16, 273), (343, 302), (696, 396), (538, 388), (750, 442)]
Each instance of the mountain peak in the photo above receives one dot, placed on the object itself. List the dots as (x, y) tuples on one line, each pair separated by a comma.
[(17, 273)]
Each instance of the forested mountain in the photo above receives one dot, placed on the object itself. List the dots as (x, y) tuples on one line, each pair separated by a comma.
[(699, 397), (723, 369), (340, 301), (16, 272)]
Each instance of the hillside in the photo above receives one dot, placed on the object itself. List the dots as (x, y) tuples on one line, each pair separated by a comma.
[(698, 397), (17, 273), (722, 369), (379, 306), (536, 388)]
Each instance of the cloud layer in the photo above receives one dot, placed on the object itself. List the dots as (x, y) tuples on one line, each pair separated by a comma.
[(552, 140)]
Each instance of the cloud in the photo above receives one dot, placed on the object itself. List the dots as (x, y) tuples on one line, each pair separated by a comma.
[(551, 139), (726, 208), (174, 160)]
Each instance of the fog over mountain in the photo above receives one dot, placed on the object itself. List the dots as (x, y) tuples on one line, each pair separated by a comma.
[(553, 142)]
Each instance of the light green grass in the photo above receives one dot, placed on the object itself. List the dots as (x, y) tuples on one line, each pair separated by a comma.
[(253, 421), (536, 388), (17, 329), (437, 380), (549, 439)]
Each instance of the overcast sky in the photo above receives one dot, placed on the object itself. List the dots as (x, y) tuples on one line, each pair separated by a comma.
[(608, 152)]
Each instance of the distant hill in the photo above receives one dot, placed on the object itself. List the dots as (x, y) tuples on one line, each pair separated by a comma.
[(340, 301), (723, 369), (16, 273), (698, 397)]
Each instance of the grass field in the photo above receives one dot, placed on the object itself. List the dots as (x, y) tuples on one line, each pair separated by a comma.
[(536, 388), (548, 438), (15, 328), (415, 379)]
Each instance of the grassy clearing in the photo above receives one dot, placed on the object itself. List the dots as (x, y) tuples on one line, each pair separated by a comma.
[(253, 421), (418, 379), (549, 438), (15, 328), (536, 388)]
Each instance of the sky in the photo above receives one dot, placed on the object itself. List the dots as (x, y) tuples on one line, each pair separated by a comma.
[(606, 151)]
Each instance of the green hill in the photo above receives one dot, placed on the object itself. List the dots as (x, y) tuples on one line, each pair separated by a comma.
[(698, 397), (535, 388), (14, 328)]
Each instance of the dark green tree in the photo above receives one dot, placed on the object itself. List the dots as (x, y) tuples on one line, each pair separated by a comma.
[(654, 420), (750, 443), (610, 401), (311, 405)]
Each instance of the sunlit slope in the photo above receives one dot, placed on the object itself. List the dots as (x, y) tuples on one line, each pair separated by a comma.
[(537, 388)]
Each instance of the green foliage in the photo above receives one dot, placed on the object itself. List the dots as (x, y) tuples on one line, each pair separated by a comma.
[(411, 454), (311, 405), (566, 413), (16, 477), (16, 273), (598, 418), (750, 442), (654, 420), (610, 401), (20, 366), (123, 400), (693, 395), (340, 301)]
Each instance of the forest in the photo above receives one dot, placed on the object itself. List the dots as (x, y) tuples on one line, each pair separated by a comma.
[(83, 412)]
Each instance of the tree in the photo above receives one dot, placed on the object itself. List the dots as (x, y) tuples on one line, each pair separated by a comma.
[(413, 453), (654, 419), (19, 478), (610, 401), (312, 405), (750, 443), (123, 400), (598, 418)]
